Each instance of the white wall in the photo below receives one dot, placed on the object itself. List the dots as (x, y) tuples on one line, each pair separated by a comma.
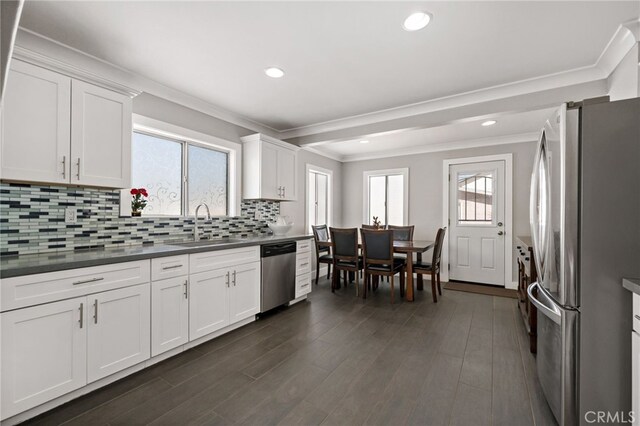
[(425, 186), (624, 81), (170, 112), (296, 209)]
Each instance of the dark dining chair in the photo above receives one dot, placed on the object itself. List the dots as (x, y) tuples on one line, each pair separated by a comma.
[(345, 256), (433, 268), (323, 252), (402, 233), (365, 226), (377, 248)]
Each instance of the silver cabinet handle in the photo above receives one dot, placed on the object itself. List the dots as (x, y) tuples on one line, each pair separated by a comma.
[(95, 311), (92, 280), (304, 264), (164, 268), (78, 164), (64, 166), (186, 289), (81, 320), (234, 278), (227, 279)]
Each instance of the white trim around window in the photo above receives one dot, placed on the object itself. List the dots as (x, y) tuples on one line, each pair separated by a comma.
[(171, 131), (329, 173), (388, 172)]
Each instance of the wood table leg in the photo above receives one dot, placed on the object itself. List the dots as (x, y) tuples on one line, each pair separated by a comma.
[(409, 289), (420, 284)]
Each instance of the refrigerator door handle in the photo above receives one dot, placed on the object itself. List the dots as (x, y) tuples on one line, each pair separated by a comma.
[(546, 306)]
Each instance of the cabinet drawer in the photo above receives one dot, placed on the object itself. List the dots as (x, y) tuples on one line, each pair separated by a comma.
[(303, 263), (169, 267), (303, 284), (210, 260), (29, 290), (303, 246)]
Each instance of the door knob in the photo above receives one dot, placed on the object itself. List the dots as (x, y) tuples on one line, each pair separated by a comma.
[(500, 233)]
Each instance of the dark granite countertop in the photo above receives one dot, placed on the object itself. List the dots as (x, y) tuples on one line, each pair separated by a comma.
[(631, 284), (15, 266)]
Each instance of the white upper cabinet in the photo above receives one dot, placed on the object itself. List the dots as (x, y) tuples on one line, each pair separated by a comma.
[(35, 125), (56, 129), (100, 136), (269, 168)]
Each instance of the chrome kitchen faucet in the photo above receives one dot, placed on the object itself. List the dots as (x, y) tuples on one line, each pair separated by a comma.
[(196, 235)]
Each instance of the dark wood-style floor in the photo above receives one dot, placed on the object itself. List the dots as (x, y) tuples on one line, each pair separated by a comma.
[(338, 360)]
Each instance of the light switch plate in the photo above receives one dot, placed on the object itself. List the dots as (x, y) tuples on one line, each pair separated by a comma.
[(70, 215)]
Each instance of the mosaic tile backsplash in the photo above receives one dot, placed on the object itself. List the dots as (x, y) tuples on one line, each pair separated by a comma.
[(32, 220)]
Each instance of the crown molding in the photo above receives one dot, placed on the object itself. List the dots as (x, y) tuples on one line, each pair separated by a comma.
[(330, 155), (26, 55), (259, 137), (621, 42), (438, 147), (32, 46), (47, 49)]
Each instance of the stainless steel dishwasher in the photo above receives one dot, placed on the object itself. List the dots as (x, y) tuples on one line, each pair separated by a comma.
[(278, 274)]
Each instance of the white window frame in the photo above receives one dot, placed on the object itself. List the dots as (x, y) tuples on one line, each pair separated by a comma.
[(170, 131), (317, 169), (365, 190)]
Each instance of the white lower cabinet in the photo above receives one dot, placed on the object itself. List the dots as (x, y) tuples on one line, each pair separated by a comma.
[(223, 297), (244, 295), (209, 302), (44, 353), (49, 350), (114, 318), (303, 267), (169, 314), (119, 330)]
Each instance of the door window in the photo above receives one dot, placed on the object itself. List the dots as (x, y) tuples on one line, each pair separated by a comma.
[(475, 198)]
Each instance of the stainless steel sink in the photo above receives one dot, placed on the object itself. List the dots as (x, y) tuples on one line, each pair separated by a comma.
[(212, 242)]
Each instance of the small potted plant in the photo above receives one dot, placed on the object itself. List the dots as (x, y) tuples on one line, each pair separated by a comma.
[(376, 223), (138, 202)]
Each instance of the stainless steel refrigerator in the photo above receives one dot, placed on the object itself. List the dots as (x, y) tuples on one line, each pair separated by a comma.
[(585, 225)]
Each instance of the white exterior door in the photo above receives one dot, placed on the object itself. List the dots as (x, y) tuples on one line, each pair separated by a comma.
[(119, 330), (44, 353), (476, 222), (169, 314), (100, 137), (208, 302), (244, 297), (35, 125)]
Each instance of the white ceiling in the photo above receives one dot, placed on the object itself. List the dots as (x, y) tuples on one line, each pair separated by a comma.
[(518, 127), (341, 58)]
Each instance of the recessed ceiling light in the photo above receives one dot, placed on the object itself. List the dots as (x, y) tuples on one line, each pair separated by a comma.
[(417, 21), (274, 72), (364, 141), (489, 123)]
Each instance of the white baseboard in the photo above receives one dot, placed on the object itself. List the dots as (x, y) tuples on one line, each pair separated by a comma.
[(512, 286)]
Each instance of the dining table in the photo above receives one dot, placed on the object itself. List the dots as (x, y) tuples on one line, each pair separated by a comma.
[(407, 247)]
